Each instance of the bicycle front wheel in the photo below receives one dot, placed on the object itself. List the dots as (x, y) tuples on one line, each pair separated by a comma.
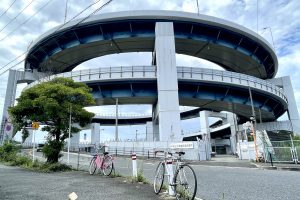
[(107, 165), (93, 166), (185, 183), (159, 177)]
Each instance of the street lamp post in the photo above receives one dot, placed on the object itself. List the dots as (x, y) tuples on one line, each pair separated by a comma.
[(265, 28), (70, 124), (136, 135), (101, 129)]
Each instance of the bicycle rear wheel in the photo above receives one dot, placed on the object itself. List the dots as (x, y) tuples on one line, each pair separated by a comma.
[(107, 165), (159, 177), (93, 166), (185, 183)]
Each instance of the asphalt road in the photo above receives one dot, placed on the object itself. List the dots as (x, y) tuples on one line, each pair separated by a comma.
[(240, 183), (220, 182), (20, 184)]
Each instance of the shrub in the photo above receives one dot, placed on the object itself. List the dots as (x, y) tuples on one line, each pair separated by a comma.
[(54, 167), (21, 161), (8, 152)]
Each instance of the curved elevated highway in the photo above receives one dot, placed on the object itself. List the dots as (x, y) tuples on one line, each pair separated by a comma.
[(229, 45), (247, 58), (199, 87)]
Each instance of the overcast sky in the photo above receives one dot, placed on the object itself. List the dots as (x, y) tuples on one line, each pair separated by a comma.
[(24, 21)]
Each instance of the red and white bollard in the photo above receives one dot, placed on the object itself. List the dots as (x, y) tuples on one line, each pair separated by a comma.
[(134, 165), (171, 176)]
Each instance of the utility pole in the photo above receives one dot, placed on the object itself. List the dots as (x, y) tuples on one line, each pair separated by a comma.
[(198, 6), (116, 133), (253, 122)]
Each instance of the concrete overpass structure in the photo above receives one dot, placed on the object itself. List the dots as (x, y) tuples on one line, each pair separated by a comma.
[(249, 60)]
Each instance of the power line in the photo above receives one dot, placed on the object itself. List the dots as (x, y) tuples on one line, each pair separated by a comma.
[(58, 30), (28, 19), (8, 8), (13, 19), (54, 32)]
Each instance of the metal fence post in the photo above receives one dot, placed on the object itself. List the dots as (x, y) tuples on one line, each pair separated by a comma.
[(271, 158), (78, 158)]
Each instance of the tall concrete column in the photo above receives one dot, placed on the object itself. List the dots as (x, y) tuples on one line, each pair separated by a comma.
[(95, 133), (152, 131), (204, 130), (14, 77), (204, 123), (231, 119), (286, 85), (167, 83), (149, 132), (9, 101)]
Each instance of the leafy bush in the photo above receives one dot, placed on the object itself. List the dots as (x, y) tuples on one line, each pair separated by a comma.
[(21, 161), (8, 152)]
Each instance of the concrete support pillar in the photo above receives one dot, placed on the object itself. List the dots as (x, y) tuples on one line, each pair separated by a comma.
[(152, 131), (9, 101), (95, 133), (204, 123), (231, 119), (149, 131), (167, 83), (156, 134), (14, 77), (204, 129), (286, 85)]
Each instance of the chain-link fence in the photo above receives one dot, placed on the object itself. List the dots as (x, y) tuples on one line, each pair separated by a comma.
[(287, 151)]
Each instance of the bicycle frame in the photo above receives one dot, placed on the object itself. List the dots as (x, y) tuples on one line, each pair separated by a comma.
[(99, 158), (99, 161), (179, 180), (175, 167)]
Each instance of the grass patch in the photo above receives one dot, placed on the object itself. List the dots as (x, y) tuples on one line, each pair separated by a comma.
[(115, 175), (9, 155), (139, 179), (164, 187)]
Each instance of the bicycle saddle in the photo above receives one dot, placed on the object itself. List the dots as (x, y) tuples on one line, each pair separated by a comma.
[(180, 153), (105, 153)]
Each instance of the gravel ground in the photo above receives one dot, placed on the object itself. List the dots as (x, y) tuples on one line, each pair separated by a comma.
[(16, 183)]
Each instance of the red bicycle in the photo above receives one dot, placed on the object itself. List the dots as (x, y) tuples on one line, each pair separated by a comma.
[(102, 163)]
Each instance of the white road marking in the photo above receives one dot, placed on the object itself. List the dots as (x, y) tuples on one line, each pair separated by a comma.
[(150, 163), (225, 167)]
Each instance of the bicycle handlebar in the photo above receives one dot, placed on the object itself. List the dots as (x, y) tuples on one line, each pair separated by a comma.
[(97, 149)]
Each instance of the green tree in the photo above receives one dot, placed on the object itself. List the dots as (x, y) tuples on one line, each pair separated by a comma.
[(50, 103)]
